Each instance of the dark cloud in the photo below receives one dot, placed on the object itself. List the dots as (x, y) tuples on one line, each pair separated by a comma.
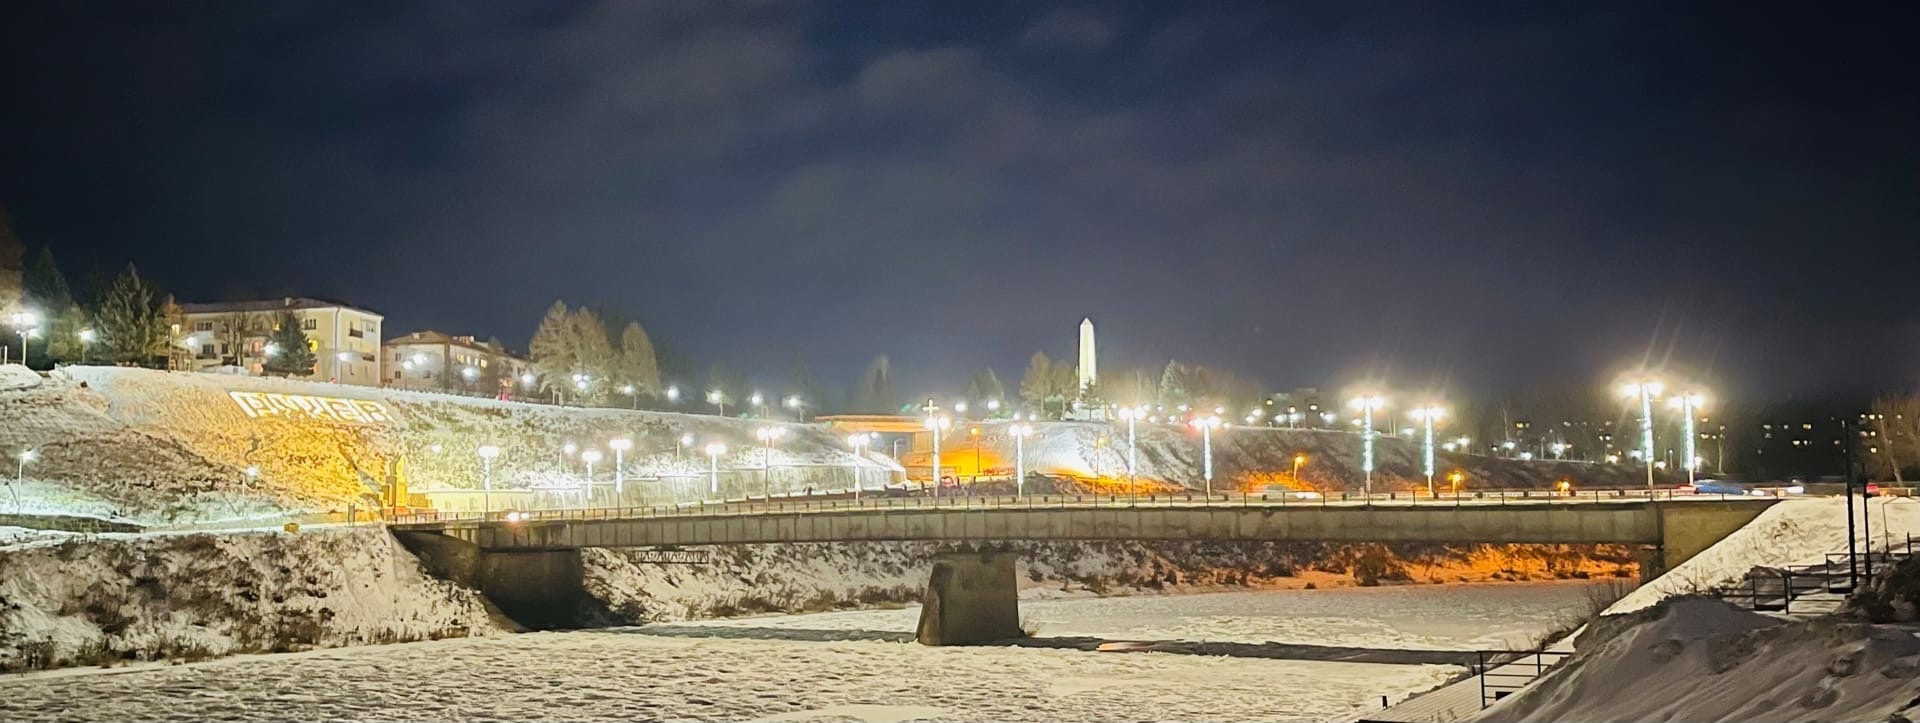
[(1496, 195)]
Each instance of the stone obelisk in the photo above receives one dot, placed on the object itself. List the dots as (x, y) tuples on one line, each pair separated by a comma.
[(1089, 359)]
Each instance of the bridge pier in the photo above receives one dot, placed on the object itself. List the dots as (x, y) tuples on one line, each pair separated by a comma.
[(972, 597)]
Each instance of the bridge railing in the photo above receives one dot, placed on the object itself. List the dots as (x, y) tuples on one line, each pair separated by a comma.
[(835, 503)]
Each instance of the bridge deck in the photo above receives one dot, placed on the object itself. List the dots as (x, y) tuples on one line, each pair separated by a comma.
[(1623, 521)]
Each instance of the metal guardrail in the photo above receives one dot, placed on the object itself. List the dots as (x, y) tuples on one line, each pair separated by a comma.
[(1505, 672), (1777, 590), (801, 505)]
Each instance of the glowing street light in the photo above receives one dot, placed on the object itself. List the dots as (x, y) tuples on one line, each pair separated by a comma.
[(86, 340), (758, 402), (1020, 433), (1455, 478), (28, 324), (1206, 425), (1299, 458), (714, 450), (673, 394), (487, 452), (858, 442), (960, 407), (767, 435), (680, 445), (1368, 404), (1132, 415), (1689, 403), (993, 405), (1646, 390), (718, 400), (633, 394), (620, 447), (793, 402), (1426, 415), (590, 456)]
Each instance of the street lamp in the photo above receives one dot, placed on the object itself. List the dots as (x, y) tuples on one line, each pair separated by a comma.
[(1455, 478), (857, 442), (718, 400), (26, 322), (758, 402), (767, 435), (20, 474), (86, 340), (590, 456), (633, 395), (936, 425), (1426, 415), (680, 445), (1206, 425), (1689, 403), (1132, 415), (1367, 403), (993, 405), (1646, 390), (487, 453), (1020, 432), (793, 402), (714, 450), (673, 394), (620, 447), (1299, 458)]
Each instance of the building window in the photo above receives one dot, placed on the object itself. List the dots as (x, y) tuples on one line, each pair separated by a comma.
[(206, 351), (203, 326), (396, 376), (309, 324)]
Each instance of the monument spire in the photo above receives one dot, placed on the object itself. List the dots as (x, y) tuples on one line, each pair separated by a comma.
[(1089, 359)]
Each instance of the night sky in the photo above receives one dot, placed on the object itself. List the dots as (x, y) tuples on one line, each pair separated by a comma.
[(1473, 196)]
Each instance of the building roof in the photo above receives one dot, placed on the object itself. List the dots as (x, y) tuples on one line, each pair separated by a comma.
[(289, 302)]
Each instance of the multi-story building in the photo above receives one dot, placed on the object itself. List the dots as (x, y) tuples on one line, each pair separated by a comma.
[(440, 361), (233, 334)]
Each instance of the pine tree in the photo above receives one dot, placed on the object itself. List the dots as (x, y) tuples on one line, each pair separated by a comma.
[(1173, 384), (291, 353), (130, 327), (637, 364), (876, 390), (984, 387), (801, 384), (593, 355), (551, 350), (45, 287), (64, 343)]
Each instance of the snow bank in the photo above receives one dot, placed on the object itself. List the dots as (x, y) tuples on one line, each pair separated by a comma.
[(1696, 659), (15, 376), (1793, 532), (78, 600)]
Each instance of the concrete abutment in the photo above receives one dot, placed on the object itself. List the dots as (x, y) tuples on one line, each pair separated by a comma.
[(972, 598), (536, 589)]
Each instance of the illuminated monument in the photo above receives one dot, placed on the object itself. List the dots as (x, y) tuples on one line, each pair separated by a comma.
[(1089, 361)]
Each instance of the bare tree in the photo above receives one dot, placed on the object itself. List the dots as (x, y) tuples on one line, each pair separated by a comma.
[(1893, 435)]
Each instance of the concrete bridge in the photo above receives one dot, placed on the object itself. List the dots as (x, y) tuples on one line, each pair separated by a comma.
[(531, 563)]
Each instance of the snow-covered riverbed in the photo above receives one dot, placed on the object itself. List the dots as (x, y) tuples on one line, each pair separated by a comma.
[(850, 666)]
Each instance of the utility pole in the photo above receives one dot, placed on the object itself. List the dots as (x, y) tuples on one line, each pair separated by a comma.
[(1846, 450)]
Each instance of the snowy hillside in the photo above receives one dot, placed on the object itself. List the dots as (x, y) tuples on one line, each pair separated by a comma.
[(157, 447), (94, 599), (1246, 458)]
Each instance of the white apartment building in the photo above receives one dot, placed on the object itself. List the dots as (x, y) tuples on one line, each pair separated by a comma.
[(233, 335), (433, 360)]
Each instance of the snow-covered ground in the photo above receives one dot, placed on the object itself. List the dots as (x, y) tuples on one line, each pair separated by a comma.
[(1793, 532), (1696, 659), (86, 599), (774, 673)]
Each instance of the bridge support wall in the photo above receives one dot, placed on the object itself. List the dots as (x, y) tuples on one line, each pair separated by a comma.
[(972, 597), (536, 589), (1688, 529)]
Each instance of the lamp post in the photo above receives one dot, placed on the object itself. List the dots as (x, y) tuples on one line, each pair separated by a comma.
[(680, 445), (487, 453), (25, 322), (1646, 390), (714, 450), (1206, 426), (86, 342), (1426, 415), (633, 395), (1299, 458), (1455, 479), (767, 435), (590, 456), (857, 442), (1688, 404), (793, 403), (1132, 415), (935, 425), (620, 447), (718, 400), (1020, 432), (1367, 404), (673, 394), (758, 402), (20, 474)]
